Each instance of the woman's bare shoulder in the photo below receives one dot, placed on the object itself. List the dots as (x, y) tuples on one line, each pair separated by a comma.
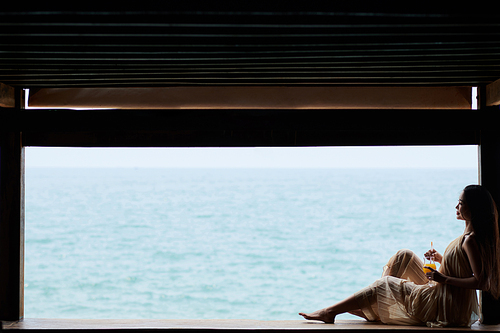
[(470, 242)]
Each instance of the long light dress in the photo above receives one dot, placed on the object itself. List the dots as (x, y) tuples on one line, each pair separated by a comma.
[(404, 297)]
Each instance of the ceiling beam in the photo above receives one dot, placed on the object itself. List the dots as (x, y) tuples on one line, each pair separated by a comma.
[(245, 128), (254, 98)]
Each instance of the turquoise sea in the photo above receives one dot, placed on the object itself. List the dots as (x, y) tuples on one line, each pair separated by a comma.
[(223, 243)]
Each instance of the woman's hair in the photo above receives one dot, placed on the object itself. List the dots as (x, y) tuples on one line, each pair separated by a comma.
[(484, 220)]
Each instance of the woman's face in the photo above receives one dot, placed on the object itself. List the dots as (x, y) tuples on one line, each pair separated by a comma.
[(462, 209)]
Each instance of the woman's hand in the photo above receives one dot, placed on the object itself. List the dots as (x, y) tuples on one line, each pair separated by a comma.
[(435, 275), (433, 254)]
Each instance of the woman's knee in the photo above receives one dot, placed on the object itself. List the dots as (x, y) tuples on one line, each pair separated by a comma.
[(398, 263), (405, 253)]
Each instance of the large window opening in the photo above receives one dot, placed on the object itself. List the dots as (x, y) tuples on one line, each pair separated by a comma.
[(250, 233)]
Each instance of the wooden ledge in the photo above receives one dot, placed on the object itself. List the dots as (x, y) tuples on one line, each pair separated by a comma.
[(217, 324)]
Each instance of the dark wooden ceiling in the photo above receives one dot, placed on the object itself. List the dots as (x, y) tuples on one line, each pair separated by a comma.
[(193, 43)]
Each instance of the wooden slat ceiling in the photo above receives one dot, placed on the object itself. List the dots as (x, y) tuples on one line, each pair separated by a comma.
[(213, 43)]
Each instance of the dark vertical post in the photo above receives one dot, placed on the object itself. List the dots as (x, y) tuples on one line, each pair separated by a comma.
[(11, 224), (489, 175)]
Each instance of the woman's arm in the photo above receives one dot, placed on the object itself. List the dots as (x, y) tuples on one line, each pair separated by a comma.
[(468, 283), (474, 282)]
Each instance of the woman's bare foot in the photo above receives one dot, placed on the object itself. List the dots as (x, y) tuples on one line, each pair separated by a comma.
[(322, 315)]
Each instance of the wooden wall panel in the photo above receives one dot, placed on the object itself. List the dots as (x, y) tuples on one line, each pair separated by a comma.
[(493, 93)]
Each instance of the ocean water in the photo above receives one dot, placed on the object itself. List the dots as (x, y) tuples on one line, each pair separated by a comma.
[(223, 243)]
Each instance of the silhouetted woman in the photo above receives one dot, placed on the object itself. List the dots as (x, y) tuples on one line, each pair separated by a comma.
[(403, 295)]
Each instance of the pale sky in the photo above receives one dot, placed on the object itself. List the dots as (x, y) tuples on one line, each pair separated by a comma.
[(302, 157)]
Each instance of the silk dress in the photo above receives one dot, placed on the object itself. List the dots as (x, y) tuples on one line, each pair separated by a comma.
[(403, 295)]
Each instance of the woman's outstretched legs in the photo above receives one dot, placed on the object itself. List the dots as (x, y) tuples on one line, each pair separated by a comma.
[(404, 264), (328, 314)]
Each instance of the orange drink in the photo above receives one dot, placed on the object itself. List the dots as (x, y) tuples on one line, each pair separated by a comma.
[(431, 265)]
